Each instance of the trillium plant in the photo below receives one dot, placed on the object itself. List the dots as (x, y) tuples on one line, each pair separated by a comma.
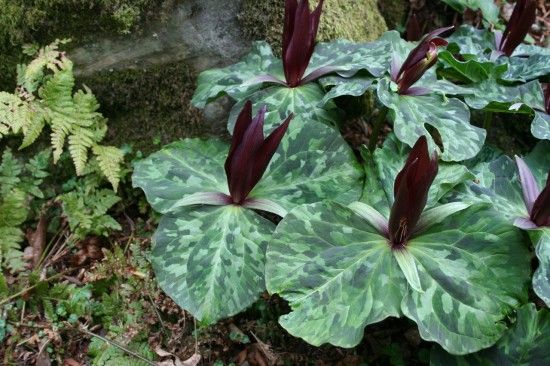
[(440, 266), (431, 226), (209, 248)]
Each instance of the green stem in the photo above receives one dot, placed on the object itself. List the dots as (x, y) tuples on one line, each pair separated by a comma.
[(373, 139), (25, 290), (488, 121)]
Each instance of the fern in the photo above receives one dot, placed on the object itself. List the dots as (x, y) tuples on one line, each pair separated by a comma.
[(47, 99), (18, 183), (86, 210)]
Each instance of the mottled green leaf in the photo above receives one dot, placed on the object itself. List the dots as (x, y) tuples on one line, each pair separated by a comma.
[(449, 116), (181, 169), (526, 343), (210, 260), (311, 164), (347, 58), (339, 275), (473, 41), (492, 95), (528, 68), (382, 167), (474, 271), (304, 101), (497, 181), (541, 278), (337, 272), (235, 79), (356, 86), (540, 127)]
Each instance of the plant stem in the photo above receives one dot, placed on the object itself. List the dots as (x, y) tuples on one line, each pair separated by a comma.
[(25, 290), (373, 139), (488, 121), (113, 343)]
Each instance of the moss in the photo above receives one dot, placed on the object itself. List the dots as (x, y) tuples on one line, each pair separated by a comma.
[(358, 20), (149, 105), (394, 12), (42, 21)]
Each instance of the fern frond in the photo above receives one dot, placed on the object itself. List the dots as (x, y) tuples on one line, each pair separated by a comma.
[(110, 159), (14, 114), (80, 141), (60, 131), (33, 129), (48, 57), (10, 169), (13, 212)]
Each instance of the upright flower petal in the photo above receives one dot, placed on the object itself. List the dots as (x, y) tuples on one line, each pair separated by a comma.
[(414, 30), (299, 33), (243, 121), (528, 184), (249, 154), (540, 214), (523, 17), (411, 192)]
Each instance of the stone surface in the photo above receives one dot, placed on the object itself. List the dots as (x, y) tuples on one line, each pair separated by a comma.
[(144, 79)]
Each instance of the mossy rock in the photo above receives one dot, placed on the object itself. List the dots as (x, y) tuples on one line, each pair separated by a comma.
[(82, 21), (358, 20), (148, 106), (395, 12)]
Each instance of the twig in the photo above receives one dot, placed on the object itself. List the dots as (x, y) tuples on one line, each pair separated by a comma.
[(25, 290), (113, 343)]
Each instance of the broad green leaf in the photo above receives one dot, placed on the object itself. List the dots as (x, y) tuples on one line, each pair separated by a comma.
[(526, 343), (528, 68), (382, 167), (311, 164), (355, 86), (474, 268), (492, 95), (304, 101), (235, 79), (540, 127), (210, 260), (181, 169), (488, 9), (471, 70), (449, 116), (473, 41), (541, 278), (340, 275), (347, 58), (497, 181)]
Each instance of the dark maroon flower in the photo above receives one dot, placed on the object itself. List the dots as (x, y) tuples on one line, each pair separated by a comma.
[(536, 202), (299, 33), (250, 154), (523, 17), (411, 192), (417, 63)]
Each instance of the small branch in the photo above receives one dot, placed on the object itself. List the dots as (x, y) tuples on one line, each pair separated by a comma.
[(25, 290), (373, 139), (115, 344)]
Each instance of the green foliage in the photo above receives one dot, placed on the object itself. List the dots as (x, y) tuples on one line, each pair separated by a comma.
[(19, 184), (488, 8), (104, 354), (67, 302), (44, 97), (86, 206)]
